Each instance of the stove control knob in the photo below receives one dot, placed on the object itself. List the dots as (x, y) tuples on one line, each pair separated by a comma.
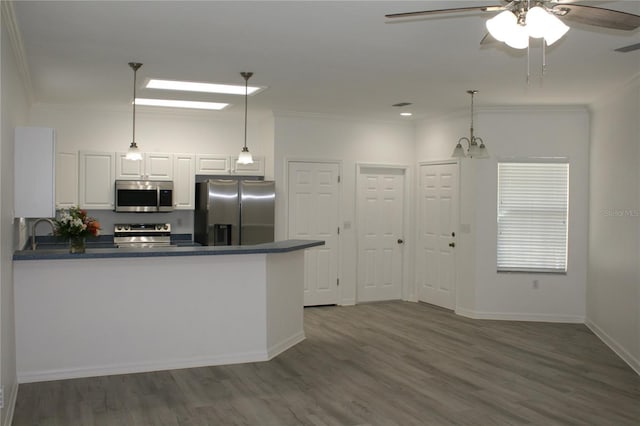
[(127, 227), (118, 228), (165, 227)]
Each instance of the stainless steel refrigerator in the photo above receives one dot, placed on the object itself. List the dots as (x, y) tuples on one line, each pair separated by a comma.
[(234, 212)]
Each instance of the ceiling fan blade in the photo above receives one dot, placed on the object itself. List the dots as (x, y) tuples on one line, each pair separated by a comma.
[(488, 40), (443, 11), (598, 16)]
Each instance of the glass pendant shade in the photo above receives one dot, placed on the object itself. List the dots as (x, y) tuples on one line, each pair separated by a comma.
[(483, 152), (501, 25), (458, 151), (134, 152), (245, 156)]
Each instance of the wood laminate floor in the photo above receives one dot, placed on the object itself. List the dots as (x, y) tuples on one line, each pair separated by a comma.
[(391, 363)]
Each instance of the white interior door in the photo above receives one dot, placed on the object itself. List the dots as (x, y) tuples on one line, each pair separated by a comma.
[(380, 233), (314, 214), (437, 219)]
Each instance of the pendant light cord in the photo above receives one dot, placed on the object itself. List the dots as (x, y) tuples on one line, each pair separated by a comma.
[(134, 66), (246, 101), (135, 72)]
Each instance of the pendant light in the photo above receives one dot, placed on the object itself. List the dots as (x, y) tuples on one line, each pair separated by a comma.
[(474, 150), (245, 156), (134, 152)]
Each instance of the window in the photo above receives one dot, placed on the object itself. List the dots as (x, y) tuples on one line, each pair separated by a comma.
[(533, 205)]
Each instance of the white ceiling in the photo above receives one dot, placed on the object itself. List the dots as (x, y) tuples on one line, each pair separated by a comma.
[(325, 57)]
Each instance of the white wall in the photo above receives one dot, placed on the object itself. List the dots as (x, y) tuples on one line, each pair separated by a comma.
[(515, 132), (14, 113), (613, 296), (299, 137)]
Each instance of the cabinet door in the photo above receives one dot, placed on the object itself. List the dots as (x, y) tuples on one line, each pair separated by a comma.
[(96, 183), (254, 169), (66, 180), (184, 181), (158, 166), (128, 169), (34, 176), (212, 164)]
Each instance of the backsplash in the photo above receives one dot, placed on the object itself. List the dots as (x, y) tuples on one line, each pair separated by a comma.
[(181, 222)]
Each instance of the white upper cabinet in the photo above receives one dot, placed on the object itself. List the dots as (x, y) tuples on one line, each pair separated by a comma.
[(158, 166), (96, 180), (128, 169), (66, 180), (184, 181), (154, 166), (254, 169), (34, 172), (212, 164), (215, 164)]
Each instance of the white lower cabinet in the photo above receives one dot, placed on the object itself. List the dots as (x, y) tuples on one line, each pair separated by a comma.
[(66, 180), (184, 178), (96, 180)]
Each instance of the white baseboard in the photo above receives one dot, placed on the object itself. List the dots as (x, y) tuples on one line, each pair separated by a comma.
[(633, 362), (106, 370), (10, 405), (513, 316), (282, 346)]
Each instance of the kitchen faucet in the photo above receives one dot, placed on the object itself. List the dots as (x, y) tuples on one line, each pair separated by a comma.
[(33, 229)]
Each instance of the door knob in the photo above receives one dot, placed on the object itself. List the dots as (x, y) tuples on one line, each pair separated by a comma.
[(400, 241), (452, 244)]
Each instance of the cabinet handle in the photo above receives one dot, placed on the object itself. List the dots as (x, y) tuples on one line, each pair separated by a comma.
[(452, 244)]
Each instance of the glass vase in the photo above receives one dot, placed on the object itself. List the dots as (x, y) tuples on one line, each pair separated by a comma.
[(77, 245)]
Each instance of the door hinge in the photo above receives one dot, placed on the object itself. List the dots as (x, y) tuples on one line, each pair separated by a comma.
[(338, 178), (2, 396), (338, 230), (338, 282)]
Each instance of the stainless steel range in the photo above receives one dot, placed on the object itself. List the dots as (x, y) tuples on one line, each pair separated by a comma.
[(142, 235)]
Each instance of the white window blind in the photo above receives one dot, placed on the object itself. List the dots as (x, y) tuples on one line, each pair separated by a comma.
[(533, 206)]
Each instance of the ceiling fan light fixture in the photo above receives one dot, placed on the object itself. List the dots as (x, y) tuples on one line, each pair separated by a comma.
[(537, 20), (519, 38), (501, 26), (555, 30)]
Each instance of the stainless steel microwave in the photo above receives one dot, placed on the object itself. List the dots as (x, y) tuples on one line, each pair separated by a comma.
[(144, 196)]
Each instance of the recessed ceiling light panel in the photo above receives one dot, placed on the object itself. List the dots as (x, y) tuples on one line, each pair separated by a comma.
[(194, 86), (172, 103)]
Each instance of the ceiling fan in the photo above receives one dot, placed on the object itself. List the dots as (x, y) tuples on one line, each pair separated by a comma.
[(520, 19)]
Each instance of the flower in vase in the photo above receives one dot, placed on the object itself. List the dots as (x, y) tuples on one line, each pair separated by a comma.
[(74, 222)]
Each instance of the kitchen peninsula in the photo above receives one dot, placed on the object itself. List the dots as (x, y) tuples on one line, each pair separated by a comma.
[(112, 311)]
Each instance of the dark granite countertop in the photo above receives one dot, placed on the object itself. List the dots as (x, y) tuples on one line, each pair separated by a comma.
[(96, 251)]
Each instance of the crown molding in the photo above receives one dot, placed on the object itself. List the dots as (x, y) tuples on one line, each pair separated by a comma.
[(13, 30)]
